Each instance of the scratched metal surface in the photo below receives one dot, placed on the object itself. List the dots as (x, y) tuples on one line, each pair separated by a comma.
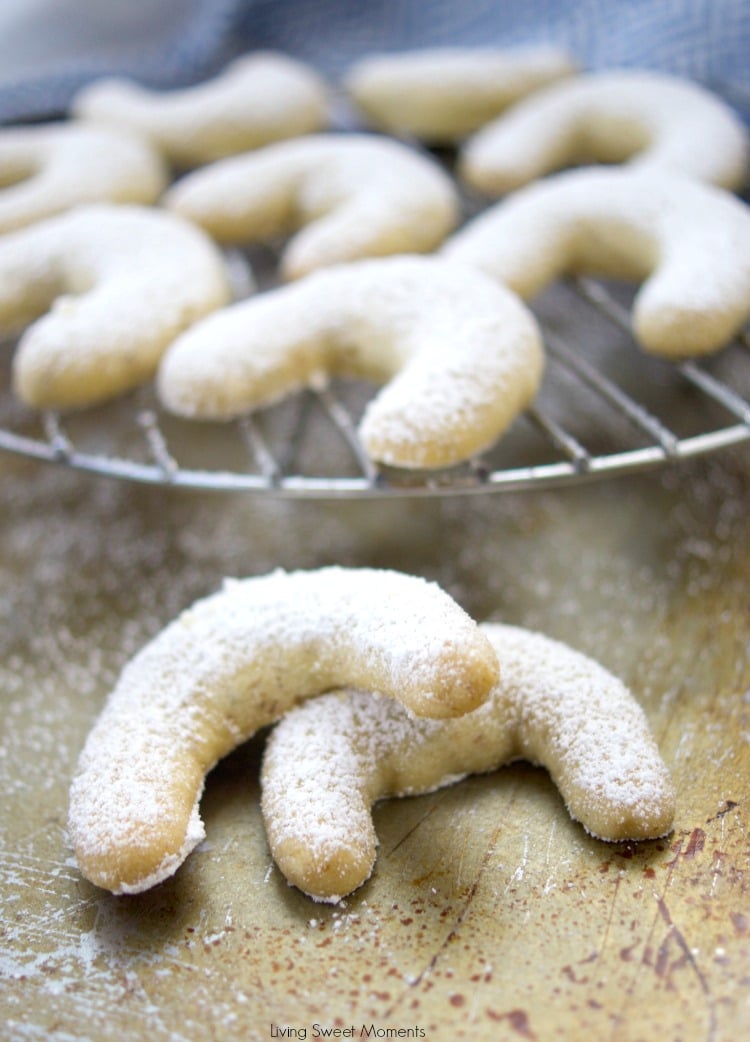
[(490, 915)]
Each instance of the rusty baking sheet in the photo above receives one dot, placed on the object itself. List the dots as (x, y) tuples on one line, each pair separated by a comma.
[(490, 915)]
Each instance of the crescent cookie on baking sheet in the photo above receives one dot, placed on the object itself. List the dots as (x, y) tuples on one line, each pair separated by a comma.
[(441, 95), (48, 168), (328, 761), (354, 195), (460, 355), (256, 99), (237, 661), (119, 282), (689, 243), (648, 118)]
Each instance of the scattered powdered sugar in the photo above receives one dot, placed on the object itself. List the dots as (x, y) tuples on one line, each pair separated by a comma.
[(91, 570)]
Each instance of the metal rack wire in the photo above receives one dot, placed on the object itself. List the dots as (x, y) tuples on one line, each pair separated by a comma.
[(591, 421)]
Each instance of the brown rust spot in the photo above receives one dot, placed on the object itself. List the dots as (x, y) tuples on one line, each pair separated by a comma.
[(728, 806), (519, 1021), (696, 843), (740, 922), (570, 974), (517, 1018)]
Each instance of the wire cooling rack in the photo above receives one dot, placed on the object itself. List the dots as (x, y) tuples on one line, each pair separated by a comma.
[(605, 408)]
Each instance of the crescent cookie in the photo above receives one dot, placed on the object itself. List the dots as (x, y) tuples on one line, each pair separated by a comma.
[(440, 95), (258, 98), (689, 243), (235, 662), (354, 196), (120, 282), (460, 355), (50, 168), (327, 762), (648, 118)]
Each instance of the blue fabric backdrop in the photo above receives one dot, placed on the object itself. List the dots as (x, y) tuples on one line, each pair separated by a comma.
[(48, 48)]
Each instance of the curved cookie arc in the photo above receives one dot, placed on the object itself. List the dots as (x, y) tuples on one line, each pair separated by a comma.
[(256, 99), (687, 242), (340, 197), (50, 168), (235, 662), (442, 94), (651, 120), (460, 357), (326, 763), (119, 283)]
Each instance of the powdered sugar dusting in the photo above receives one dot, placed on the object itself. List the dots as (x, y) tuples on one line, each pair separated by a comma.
[(442, 94), (690, 242), (354, 195), (651, 119), (235, 662), (124, 280), (72, 164), (463, 355), (258, 98), (327, 762)]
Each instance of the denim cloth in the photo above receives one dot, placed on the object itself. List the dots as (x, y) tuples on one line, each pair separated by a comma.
[(49, 48)]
